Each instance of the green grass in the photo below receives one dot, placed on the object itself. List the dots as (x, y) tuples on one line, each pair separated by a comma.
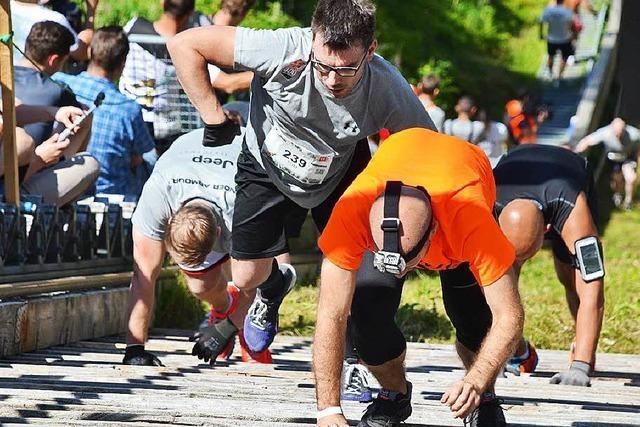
[(548, 322)]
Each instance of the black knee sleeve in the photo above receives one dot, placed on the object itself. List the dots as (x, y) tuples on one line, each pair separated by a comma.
[(373, 329), (466, 306)]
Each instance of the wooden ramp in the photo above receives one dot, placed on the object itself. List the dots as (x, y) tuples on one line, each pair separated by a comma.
[(84, 384)]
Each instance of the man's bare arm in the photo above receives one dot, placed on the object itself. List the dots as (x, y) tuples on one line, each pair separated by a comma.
[(147, 256), (590, 312), (336, 293), (191, 51), (506, 328), (233, 82)]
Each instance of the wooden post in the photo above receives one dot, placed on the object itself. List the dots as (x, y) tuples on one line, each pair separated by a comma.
[(11, 186)]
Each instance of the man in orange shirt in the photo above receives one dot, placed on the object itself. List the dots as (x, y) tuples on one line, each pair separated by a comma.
[(424, 201)]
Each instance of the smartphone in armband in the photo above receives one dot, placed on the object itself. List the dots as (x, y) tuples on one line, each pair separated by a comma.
[(589, 257)]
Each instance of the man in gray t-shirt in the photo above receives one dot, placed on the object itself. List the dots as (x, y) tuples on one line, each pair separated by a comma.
[(186, 209), (622, 144), (463, 127), (316, 95)]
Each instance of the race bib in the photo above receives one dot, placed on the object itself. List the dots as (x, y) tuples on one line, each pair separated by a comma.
[(300, 163)]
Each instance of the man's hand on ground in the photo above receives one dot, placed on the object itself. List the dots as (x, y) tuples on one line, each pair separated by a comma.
[(333, 421), (137, 355), (578, 374), (213, 340), (462, 398)]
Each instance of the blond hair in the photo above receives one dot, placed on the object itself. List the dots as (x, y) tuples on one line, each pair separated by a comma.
[(191, 233)]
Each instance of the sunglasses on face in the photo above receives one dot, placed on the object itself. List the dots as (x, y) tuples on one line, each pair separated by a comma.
[(341, 71)]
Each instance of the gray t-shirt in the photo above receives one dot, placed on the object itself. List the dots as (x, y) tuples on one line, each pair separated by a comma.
[(437, 116), (464, 129), (188, 170), (559, 19), (628, 144), (302, 135)]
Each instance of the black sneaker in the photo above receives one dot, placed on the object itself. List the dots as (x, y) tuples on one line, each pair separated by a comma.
[(488, 414), (389, 409)]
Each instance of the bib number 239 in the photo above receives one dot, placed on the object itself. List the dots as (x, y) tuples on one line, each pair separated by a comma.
[(300, 163)]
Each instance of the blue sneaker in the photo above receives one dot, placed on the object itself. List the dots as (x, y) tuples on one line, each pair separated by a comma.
[(261, 322), (355, 383)]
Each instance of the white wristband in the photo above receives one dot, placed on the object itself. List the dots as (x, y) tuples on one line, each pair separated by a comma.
[(331, 410)]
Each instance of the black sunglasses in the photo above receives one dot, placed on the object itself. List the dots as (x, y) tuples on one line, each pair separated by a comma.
[(341, 71)]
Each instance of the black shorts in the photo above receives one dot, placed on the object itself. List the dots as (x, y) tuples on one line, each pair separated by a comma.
[(560, 250), (374, 331), (263, 217), (566, 49)]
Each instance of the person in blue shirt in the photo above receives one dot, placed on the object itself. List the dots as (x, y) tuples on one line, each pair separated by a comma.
[(119, 136)]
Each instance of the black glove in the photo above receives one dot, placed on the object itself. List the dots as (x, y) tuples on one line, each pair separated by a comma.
[(137, 355), (221, 134), (213, 340), (578, 374)]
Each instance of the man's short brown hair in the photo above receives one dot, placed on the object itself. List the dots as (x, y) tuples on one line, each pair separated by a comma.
[(237, 8), (109, 48), (191, 233), (429, 84), (179, 8), (48, 38)]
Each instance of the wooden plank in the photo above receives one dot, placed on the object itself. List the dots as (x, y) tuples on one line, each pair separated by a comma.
[(11, 190), (85, 382)]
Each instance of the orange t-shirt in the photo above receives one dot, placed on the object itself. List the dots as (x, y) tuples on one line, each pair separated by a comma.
[(458, 177)]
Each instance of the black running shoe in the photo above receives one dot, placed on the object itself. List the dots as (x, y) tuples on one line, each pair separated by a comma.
[(389, 409), (487, 414)]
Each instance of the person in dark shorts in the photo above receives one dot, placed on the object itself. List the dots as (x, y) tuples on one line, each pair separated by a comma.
[(559, 20), (548, 192), (316, 95)]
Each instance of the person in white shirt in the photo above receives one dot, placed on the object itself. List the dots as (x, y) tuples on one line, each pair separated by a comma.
[(559, 21), (428, 90), (25, 13), (493, 138)]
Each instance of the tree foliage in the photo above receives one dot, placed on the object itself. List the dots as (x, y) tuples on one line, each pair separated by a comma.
[(470, 43)]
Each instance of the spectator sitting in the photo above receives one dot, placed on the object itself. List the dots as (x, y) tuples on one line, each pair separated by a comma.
[(48, 47), (463, 127), (622, 144), (41, 170), (25, 13), (149, 75), (119, 137), (493, 138), (428, 90)]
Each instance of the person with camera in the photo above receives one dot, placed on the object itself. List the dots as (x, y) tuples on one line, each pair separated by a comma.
[(622, 144), (548, 192), (434, 213)]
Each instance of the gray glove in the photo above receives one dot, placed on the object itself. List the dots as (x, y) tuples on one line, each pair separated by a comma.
[(578, 374)]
